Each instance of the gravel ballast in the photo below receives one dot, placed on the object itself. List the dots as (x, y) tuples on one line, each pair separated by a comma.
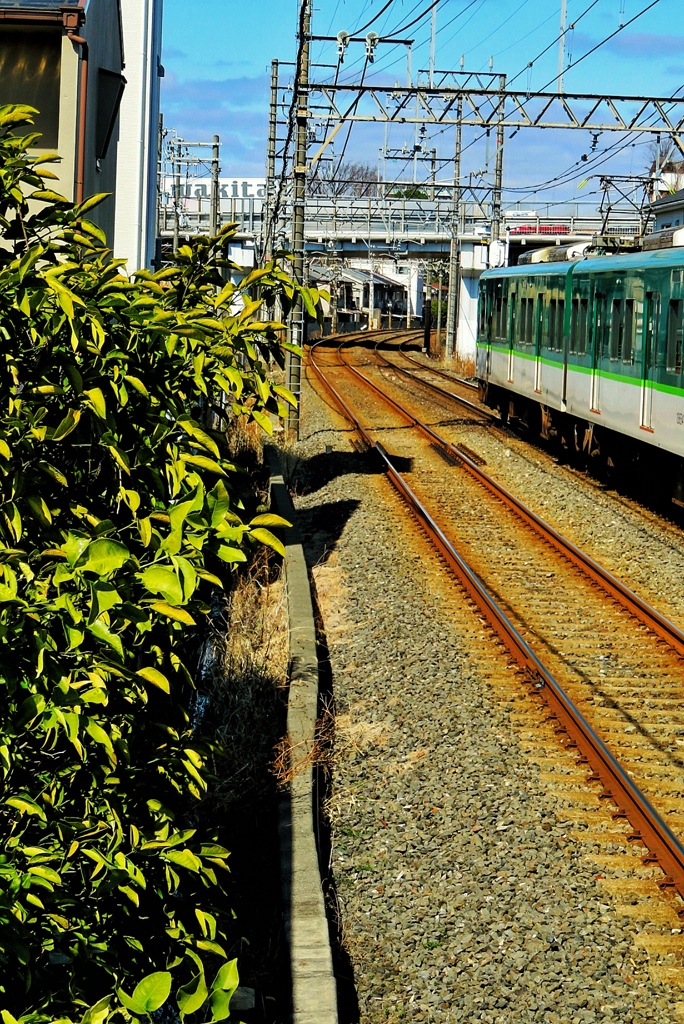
[(478, 877)]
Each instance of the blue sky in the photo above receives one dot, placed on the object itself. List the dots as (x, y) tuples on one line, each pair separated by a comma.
[(218, 69)]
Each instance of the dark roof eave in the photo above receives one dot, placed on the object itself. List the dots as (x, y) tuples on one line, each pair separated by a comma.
[(68, 16)]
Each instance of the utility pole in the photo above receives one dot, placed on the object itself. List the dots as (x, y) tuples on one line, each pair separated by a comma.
[(214, 201), (433, 37), (271, 162), (454, 277), (561, 43), (439, 308), (293, 365), (498, 163), (176, 152)]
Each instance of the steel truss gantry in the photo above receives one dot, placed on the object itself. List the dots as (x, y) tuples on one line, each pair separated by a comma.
[(491, 108)]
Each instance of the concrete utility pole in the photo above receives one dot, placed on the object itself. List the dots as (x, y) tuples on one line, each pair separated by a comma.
[(454, 276), (293, 365), (214, 201), (498, 163), (271, 162), (561, 43)]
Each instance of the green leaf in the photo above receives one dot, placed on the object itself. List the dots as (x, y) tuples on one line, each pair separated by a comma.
[(154, 676), (98, 1013), (195, 431), (104, 556), (184, 859), (229, 554), (153, 991), (263, 420), (218, 501), (222, 990), (90, 203), (102, 632), (97, 401), (179, 614), (48, 196), (203, 462), (269, 519), (26, 805), (40, 510), (192, 996), (69, 423), (94, 230), (266, 537), (161, 580)]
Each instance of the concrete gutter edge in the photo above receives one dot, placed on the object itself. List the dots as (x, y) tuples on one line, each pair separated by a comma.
[(314, 990)]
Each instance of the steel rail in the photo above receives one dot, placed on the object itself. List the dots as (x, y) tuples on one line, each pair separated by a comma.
[(435, 387), (432, 369), (614, 587), (649, 828)]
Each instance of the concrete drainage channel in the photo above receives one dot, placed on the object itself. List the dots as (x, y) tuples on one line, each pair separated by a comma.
[(314, 991)]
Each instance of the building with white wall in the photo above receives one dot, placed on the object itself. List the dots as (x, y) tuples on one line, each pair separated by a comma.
[(136, 181)]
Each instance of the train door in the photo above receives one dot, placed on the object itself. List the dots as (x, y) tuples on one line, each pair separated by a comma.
[(650, 357), (539, 342), (597, 350)]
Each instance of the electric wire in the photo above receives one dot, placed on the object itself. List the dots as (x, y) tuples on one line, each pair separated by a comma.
[(415, 21), (374, 18), (602, 43)]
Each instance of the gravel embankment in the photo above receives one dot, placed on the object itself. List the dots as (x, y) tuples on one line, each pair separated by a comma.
[(479, 879)]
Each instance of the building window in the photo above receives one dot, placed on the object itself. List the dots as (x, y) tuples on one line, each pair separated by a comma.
[(30, 67), (110, 87)]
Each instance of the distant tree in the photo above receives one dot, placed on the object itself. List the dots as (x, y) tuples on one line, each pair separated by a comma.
[(357, 181), (410, 192)]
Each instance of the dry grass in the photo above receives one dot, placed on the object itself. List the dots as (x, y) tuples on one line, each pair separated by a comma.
[(244, 684)]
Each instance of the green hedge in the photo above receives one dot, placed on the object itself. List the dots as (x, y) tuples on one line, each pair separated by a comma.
[(117, 519)]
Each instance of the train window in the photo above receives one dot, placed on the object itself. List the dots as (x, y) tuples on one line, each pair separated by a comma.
[(529, 325), (497, 317), (628, 334), (560, 324), (574, 325), (651, 330), (600, 323), (483, 313), (514, 315), (552, 324), (540, 319), (616, 330), (583, 323), (674, 336), (503, 325)]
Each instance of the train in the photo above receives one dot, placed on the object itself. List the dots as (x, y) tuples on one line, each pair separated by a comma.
[(588, 354)]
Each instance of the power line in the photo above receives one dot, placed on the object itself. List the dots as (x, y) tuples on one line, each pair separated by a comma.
[(374, 18), (408, 24), (602, 43)]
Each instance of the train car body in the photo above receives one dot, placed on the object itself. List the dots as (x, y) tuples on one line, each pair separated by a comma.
[(593, 348)]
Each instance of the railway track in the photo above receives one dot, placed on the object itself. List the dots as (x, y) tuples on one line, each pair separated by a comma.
[(607, 665)]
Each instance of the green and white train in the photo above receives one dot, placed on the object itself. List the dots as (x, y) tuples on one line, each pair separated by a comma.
[(590, 352)]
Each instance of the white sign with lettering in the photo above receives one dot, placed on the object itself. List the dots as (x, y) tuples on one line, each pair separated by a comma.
[(195, 192)]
